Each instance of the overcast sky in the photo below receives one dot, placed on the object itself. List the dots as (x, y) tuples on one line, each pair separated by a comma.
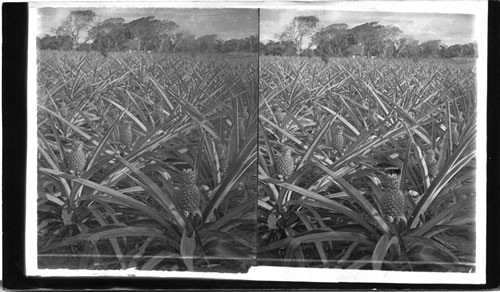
[(450, 28), (226, 23)]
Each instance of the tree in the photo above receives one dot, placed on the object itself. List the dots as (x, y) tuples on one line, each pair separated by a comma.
[(184, 42), (166, 30), (111, 34), (232, 45), (470, 50), (143, 29), (430, 48), (301, 27), (373, 37), (76, 22), (206, 43), (333, 40), (387, 41), (279, 48), (406, 47), (154, 34), (55, 43), (452, 51), (253, 43), (465, 50)]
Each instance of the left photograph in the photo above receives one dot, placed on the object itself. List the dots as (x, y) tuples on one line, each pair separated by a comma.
[(147, 138)]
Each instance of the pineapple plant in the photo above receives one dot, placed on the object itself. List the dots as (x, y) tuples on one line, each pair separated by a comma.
[(432, 163), (209, 135), (338, 138), (285, 163), (279, 114), (272, 221), (77, 158), (242, 122), (242, 127), (372, 116), (393, 200), (188, 196), (454, 133), (222, 151), (310, 174), (460, 118), (125, 136)]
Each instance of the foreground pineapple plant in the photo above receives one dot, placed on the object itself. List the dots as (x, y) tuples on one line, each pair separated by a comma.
[(455, 136), (222, 151), (393, 200), (125, 136), (338, 138), (188, 196), (285, 163), (279, 114), (431, 161), (77, 158)]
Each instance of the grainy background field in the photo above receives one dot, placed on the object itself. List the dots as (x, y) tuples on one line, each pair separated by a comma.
[(367, 163)]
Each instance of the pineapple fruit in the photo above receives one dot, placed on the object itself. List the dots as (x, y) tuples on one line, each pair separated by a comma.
[(372, 116), (242, 122), (209, 135), (393, 200), (125, 136), (338, 138), (279, 114), (222, 151), (77, 158), (454, 133), (460, 118), (285, 163), (431, 161), (188, 196)]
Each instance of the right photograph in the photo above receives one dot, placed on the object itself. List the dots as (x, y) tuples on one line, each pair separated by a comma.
[(367, 140)]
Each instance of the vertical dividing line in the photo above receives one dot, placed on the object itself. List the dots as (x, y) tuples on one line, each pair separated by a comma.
[(257, 142)]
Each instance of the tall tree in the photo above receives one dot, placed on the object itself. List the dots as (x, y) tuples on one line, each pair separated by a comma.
[(333, 39), (166, 30), (184, 42), (372, 36), (279, 48), (76, 22), (206, 43), (55, 43), (232, 45), (143, 29), (387, 40), (298, 29), (430, 48), (110, 34), (253, 43)]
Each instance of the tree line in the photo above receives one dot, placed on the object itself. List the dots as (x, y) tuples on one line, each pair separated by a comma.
[(142, 34), (368, 39)]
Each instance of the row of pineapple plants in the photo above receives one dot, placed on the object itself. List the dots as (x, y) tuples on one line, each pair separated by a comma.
[(146, 161), (366, 164)]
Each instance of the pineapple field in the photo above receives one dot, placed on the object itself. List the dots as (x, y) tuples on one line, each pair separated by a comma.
[(367, 163), (147, 161), (217, 162)]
